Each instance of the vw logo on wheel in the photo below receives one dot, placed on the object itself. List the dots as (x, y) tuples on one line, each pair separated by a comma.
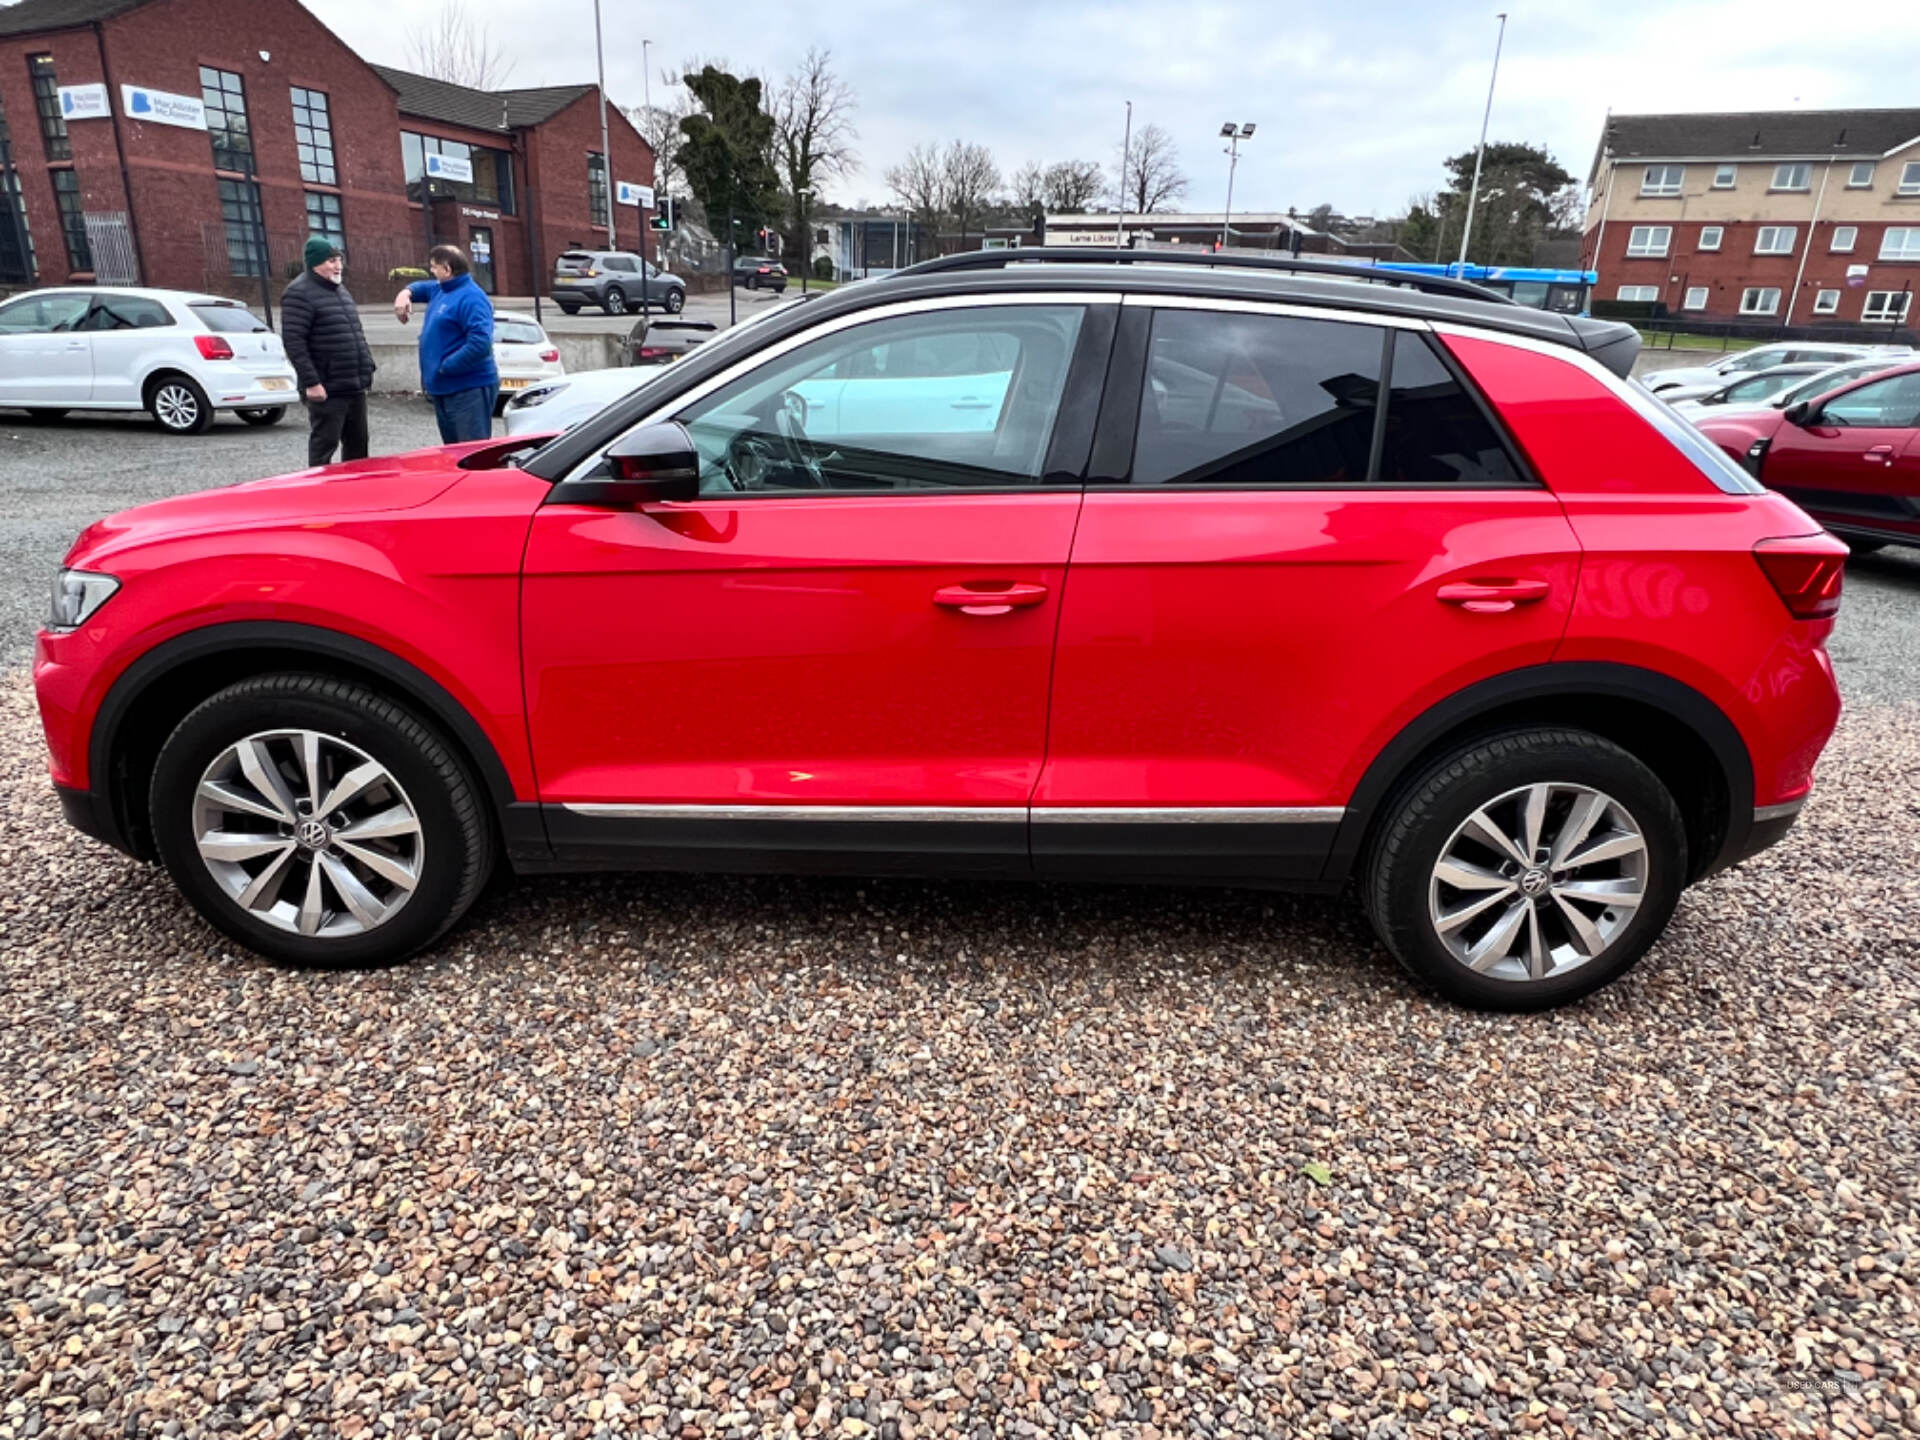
[(313, 834)]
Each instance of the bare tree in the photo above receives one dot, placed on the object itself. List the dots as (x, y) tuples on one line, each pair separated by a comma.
[(813, 137), (968, 180), (455, 47), (1030, 187), (1072, 185), (1153, 176), (660, 128), (916, 183)]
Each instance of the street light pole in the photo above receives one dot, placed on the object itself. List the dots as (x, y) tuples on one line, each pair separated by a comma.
[(1473, 194), (606, 148), (1233, 135), (1126, 147), (801, 196)]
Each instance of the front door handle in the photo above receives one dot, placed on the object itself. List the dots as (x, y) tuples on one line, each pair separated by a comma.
[(1879, 455), (1492, 597), (989, 597)]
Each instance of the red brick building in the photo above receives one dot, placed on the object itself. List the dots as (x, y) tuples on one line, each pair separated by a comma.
[(196, 144)]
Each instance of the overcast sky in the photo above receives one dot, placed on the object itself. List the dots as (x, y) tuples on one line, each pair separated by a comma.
[(1357, 104)]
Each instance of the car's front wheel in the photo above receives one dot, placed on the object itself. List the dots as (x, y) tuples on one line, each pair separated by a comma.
[(179, 405), (676, 301), (1527, 869), (616, 301), (318, 822)]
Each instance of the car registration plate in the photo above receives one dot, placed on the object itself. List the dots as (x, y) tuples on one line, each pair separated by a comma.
[(515, 384), (276, 382)]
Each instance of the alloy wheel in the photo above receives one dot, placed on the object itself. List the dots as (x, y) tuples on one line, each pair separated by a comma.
[(307, 833), (176, 407), (1538, 882)]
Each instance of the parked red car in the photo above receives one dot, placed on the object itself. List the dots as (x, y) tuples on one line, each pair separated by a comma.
[(1039, 563), (1850, 458)]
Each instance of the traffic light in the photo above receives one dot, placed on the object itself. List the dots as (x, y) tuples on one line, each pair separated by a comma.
[(667, 216)]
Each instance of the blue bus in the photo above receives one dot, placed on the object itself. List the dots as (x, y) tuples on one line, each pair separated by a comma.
[(1564, 292)]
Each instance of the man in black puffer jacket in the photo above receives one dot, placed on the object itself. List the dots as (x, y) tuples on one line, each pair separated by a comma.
[(329, 351)]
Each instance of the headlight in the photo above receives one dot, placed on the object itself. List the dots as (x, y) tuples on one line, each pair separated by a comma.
[(76, 595), (527, 399)]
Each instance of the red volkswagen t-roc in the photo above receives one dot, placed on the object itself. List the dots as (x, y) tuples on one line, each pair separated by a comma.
[(1051, 564)]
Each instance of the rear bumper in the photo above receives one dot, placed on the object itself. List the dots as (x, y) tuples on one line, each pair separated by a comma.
[(1770, 826), (238, 390)]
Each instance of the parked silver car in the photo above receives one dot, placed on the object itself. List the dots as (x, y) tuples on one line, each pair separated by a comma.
[(611, 279)]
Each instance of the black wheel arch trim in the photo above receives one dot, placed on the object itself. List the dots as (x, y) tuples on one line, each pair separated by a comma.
[(1553, 681), (519, 821)]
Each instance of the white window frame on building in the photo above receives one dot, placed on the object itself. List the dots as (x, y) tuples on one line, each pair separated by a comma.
[(1642, 241), (1900, 242), (1860, 177), (1671, 178), (1892, 305), (1826, 302), (1725, 177), (1909, 179), (1696, 298), (1711, 236), (1754, 301), (1638, 293), (1775, 239), (1795, 176), (1844, 239)]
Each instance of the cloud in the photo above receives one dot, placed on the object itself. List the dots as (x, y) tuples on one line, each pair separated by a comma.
[(1357, 105)]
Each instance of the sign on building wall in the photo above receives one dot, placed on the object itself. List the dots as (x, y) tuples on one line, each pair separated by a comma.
[(83, 102), (627, 193), (139, 103), (449, 167)]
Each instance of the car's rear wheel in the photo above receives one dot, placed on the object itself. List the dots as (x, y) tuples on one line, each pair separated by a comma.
[(676, 301), (616, 301), (1527, 869), (753, 282), (317, 822), (179, 405), (44, 416), (264, 415), (570, 309)]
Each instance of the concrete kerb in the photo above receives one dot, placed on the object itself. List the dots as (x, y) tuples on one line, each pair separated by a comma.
[(399, 364)]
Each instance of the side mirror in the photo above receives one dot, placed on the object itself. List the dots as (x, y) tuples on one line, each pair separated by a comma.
[(1800, 412), (644, 467)]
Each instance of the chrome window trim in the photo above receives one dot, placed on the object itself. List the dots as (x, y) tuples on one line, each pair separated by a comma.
[(1707, 458)]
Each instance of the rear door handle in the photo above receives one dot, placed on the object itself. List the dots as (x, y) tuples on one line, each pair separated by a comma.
[(1492, 597), (989, 597)]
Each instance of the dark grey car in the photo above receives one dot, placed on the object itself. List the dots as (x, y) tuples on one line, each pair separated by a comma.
[(611, 280)]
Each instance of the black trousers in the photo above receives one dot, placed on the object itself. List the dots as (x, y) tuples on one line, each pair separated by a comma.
[(338, 422)]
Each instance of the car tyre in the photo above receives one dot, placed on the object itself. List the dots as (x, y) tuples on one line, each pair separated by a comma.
[(616, 301), (570, 309), (1561, 943), (447, 855), (179, 406), (676, 301), (1865, 547), (265, 415), (44, 416), (753, 282)]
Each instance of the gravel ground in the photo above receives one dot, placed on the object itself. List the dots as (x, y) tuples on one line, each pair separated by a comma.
[(718, 1157)]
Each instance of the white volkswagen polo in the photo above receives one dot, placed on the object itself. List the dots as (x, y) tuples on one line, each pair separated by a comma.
[(179, 356)]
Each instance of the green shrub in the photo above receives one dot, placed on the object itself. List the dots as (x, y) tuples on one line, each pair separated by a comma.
[(822, 267), (1628, 310), (405, 275)]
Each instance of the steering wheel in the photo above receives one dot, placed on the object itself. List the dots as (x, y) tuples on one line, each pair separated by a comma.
[(791, 422)]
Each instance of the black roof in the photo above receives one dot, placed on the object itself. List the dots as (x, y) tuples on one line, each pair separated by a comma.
[(31, 15), (452, 104), (1761, 134)]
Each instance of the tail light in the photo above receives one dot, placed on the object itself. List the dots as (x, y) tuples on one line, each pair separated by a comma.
[(1807, 572), (654, 352), (213, 347), (549, 356)]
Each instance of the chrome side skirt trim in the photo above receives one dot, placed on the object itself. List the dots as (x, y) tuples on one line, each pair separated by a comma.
[(1102, 815), (1780, 811)]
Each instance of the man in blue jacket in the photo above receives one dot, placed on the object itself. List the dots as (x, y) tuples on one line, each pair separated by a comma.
[(456, 346)]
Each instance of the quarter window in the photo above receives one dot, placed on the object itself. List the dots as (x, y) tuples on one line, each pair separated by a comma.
[(1889, 306), (1663, 179), (46, 100), (313, 136), (1843, 239), (1710, 236), (127, 312), (956, 399), (73, 219), (1793, 177), (1860, 177), (1724, 176), (1774, 240), (225, 97), (596, 188), (1696, 298), (1648, 241), (1436, 434), (1900, 242), (1761, 300), (1826, 302)]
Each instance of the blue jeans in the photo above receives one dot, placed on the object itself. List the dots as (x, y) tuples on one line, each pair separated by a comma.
[(465, 414)]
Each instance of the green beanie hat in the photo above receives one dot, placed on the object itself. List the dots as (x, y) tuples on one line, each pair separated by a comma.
[(320, 250)]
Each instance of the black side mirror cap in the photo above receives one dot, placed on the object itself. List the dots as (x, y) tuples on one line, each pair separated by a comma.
[(646, 466), (1800, 412)]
